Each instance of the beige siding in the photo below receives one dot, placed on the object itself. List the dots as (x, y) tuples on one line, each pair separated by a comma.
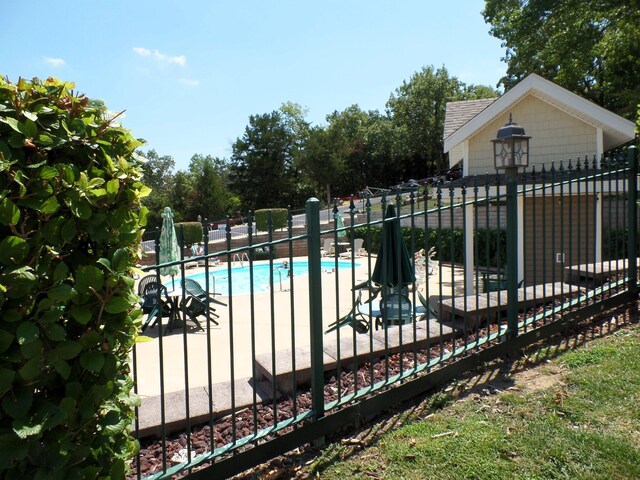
[(556, 136), (560, 225)]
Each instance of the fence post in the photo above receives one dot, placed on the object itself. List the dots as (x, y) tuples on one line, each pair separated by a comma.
[(632, 238), (512, 257), (315, 305)]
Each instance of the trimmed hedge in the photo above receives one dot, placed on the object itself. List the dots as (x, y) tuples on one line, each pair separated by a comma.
[(278, 218), (189, 232), (70, 219), (448, 242)]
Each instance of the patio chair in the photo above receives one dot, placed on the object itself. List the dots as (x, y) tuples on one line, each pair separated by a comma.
[(328, 249), (357, 249), (199, 303), (424, 308), (354, 319), (154, 301), (395, 309)]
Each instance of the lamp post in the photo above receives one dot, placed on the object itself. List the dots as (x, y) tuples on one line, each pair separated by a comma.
[(511, 152), (511, 148)]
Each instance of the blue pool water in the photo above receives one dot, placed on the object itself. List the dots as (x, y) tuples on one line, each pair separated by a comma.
[(241, 278)]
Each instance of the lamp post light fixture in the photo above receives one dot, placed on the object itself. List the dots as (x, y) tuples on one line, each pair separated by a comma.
[(511, 148)]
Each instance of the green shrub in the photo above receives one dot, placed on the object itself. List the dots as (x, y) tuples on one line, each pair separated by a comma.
[(70, 220), (189, 232), (278, 218), (616, 243), (490, 250)]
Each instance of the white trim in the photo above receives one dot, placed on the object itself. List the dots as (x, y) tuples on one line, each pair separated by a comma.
[(465, 158), (598, 227), (520, 238), (599, 145), (469, 286), (555, 95)]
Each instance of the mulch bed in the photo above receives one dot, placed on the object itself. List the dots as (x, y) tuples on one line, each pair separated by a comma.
[(250, 420)]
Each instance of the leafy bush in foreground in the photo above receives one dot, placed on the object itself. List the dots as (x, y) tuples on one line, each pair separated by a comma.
[(70, 221)]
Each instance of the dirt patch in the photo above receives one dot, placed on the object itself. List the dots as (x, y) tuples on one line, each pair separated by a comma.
[(539, 378)]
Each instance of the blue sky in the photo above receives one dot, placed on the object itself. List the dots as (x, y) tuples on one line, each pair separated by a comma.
[(189, 73)]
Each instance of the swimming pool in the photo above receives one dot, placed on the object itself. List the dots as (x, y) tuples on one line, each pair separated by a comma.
[(241, 279)]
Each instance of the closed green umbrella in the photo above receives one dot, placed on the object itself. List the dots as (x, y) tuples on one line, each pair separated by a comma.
[(169, 250), (339, 225), (393, 265)]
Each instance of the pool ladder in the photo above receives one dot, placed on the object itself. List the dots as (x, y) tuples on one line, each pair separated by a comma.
[(241, 258)]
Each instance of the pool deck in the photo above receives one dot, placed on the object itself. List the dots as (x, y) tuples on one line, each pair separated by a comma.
[(258, 330)]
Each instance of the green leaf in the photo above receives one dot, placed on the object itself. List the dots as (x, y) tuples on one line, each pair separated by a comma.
[(47, 173), (61, 293), (9, 212), (24, 430), (89, 276), (68, 349), (61, 273), (50, 206), (68, 231), (105, 262), (6, 379), (27, 332), (30, 115), (56, 332), (62, 367), (19, 282), (12, 122), (13, 250), (18, 403), (80, 209), (117, 470), (28, 128), (31, 370), (120, 260), (82, 315), (113, 186), (6, 339), (92, 360), (45, 140), (117, 305), (96, 182), (12, 449)]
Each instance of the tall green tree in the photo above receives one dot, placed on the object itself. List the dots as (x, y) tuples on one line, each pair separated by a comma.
[(417, 109), (209, 196), (591, 47), (261, 163), (157, 173)]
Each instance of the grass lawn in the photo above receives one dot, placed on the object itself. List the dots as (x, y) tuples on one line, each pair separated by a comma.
[(576, 415)]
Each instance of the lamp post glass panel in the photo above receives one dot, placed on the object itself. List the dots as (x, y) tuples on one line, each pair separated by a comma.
[(511, 148)]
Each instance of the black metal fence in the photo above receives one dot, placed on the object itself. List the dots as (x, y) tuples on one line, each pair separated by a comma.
[(301, 330)]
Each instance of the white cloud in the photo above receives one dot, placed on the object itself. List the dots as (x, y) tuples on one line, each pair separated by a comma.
[(191, 83), (54, 62), (143, 52), (161, 57)]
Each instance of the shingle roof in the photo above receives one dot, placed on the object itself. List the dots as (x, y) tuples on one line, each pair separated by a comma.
[(459, 113)]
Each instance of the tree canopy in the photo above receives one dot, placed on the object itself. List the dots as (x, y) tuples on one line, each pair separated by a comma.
[(282, 160), (590, 47)]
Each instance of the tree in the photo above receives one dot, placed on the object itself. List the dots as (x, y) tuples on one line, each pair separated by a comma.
[(209, 195), (417, 109), (590, 47), (157, 174), (261, 163), (267, 167)]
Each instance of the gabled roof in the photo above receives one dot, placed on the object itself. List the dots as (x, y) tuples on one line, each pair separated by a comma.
[(459, 113), (616, 130)]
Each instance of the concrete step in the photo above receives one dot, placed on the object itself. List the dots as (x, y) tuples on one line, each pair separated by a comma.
[(368, 347)]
